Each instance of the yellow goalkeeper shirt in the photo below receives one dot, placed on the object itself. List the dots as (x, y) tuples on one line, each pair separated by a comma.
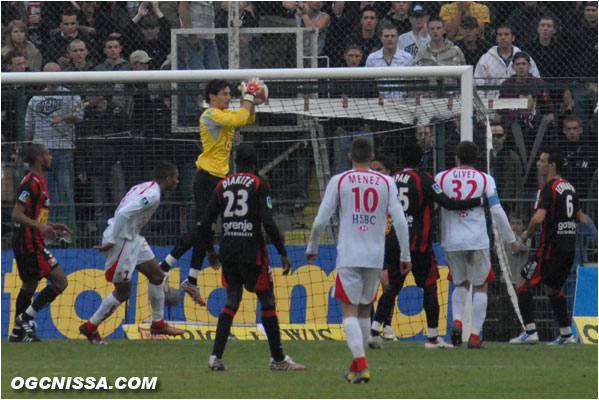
[(217, 129)]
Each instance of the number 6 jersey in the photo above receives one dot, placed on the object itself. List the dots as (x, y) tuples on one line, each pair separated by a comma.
[(364, 199)]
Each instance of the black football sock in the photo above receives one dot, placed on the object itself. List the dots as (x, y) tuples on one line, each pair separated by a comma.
[(223, 329), (384, 308), (526, 305), (560, 308), (431, 306), (23, 302), (45, 297), (270, 321)]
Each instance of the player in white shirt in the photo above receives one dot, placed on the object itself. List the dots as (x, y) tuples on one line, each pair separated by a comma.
[(364, 198), (465, 239), (126, 250)]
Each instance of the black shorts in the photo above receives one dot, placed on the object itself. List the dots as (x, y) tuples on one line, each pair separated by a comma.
[(203, 186), (549, 265), (424, 265), (34, 266), (256, 278)]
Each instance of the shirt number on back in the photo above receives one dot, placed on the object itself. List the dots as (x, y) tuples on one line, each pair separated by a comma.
[(241, 206), (457, 188), (371, 199)]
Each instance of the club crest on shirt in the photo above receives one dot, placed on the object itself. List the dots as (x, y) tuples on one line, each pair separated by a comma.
[(144, 202), (24, 196), (268, 202), (364, 228), (437, 188)]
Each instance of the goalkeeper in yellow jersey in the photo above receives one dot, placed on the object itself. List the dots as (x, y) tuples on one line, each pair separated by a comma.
[(217, 129)]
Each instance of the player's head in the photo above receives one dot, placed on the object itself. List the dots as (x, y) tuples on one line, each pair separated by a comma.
[(551, 162), (218, 93), (467, 153), (411, 155), (38, 156), (361, 150), (246, 158), (167, 175), (381, 163)]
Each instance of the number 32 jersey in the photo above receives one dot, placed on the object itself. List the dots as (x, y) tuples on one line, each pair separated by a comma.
[(364, 199), (465, 230)]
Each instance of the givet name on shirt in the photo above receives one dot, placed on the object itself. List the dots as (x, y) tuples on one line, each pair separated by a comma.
[(368, 179), (463, 173)]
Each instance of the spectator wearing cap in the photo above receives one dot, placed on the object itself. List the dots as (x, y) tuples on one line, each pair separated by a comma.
[(547, 49), (471, 44), (149, 30), (496, 65), (114, 61), (454, 13), (417, 38), (140, 60)]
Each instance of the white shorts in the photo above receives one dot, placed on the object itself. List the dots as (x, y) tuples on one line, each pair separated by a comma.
[(357, 285), (124, 256), (469, 265)]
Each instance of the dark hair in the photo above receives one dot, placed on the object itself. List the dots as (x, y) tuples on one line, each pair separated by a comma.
[(366, 9), (9, 56), (434, 18), (163, 170), (387, 26), (384, 159), (411, 155), (548, 16), (33, 151), (573, 118), (213, 87), (555, 156), (361, 150), (521, 54), (69, 12), (353, 46), (505, 26), (467, 152), (112, 39), (245, 157)]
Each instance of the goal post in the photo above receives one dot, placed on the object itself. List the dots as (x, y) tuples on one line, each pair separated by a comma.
[(317, 102)]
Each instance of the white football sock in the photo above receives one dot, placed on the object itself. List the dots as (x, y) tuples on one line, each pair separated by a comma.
[(353, 336), (156, 296), (365, 328), (458, 302), (109, 304), (479, 312)]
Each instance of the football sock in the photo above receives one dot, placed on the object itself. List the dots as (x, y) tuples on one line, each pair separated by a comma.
[(384, 307), (197, 256), (432, 333), (431, 305), (365, 328), (156, 297), (479, 312), (168, 263), (565, 331), (193, 276), (45, 297), (560, 309), (458, 301), (270, 321), (223, 329), (23, 301), (526, 305), (109, 304), (353, 336), (375, 329)]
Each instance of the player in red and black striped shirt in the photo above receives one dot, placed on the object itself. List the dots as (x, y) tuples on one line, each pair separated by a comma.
[(243, 201), (418, 193), (34, 261), (557, 209)]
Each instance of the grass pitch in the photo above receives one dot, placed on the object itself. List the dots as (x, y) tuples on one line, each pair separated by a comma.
[(401, 370)]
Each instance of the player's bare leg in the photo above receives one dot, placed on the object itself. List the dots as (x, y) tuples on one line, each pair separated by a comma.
[(156, 276)]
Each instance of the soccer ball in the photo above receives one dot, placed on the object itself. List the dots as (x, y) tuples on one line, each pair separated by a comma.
[(172, 297)]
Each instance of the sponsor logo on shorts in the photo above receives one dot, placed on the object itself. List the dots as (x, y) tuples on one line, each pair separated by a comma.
[(529, 269)]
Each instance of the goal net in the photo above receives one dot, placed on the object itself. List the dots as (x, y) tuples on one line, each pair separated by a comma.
[(129, 120)]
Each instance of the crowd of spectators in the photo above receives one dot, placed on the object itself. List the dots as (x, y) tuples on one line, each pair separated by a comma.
[(518, 48)]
